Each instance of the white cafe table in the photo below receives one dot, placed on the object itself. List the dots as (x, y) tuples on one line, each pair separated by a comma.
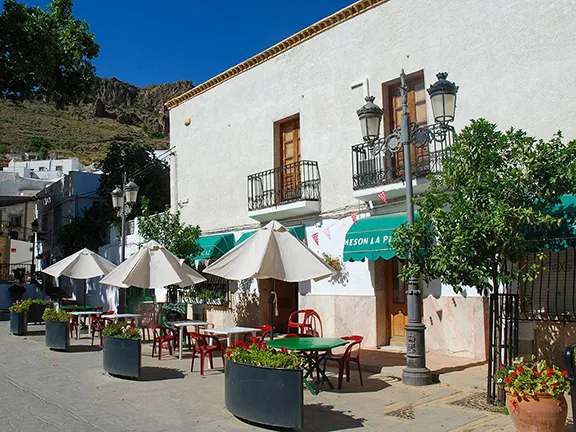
[(180, 326), (230, 331), (120, 316), (85, 314)]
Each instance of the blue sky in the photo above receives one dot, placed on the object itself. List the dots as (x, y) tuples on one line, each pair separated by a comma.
[(153, 42)]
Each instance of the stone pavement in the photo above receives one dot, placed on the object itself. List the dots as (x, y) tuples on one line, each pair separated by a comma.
[(46, 391)]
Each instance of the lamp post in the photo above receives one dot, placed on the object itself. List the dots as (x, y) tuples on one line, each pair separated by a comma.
[(120, 197), (34, 227), (443, 99)]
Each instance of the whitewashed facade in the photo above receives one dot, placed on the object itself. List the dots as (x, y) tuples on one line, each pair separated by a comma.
[(513, 61)]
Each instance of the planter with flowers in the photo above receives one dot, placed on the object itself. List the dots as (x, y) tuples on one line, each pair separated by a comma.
[(57, 329), (534, 395), (122, 353), (264, 385), (19, 317), (334, 262)]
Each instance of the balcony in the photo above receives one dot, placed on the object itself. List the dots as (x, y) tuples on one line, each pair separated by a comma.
[(371, 174), (288, 191)]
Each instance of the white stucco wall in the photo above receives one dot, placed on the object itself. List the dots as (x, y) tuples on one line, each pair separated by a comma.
[(513, 61)]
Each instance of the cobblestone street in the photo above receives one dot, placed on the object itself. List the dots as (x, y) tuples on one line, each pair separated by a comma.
[(47, 391)]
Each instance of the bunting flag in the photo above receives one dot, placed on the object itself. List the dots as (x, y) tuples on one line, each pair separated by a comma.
[(382, 196), (197, 263), (206, 262), (304, 241), (315, 238), (354, 216), (327, 233)]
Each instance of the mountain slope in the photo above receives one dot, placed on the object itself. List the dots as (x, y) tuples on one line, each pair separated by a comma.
[(115, 111)]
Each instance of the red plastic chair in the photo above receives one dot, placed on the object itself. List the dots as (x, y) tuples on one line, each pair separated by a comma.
[(351, 355), (205, 349), (162, 335), (98, 325), (308, 324)]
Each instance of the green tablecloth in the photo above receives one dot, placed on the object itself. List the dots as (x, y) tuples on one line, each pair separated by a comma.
[(77, 308), (307, 343)]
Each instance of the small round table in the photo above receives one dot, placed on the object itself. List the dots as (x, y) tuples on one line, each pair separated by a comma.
[(314, 350)]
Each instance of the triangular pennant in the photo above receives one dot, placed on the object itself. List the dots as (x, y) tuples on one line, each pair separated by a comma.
[(354, 216), (383, 198), (315, 238), (327, 233), (206, 262)]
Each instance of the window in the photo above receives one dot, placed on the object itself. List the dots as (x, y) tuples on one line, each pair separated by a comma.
[(58, 167), (41, 168), (14, 220), (392, 107)]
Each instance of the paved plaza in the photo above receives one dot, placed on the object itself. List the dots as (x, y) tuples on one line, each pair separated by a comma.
[(42, 390)]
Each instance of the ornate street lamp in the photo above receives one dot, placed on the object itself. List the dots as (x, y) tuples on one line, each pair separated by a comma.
[(34, 227), (443, 98), (120, 197)]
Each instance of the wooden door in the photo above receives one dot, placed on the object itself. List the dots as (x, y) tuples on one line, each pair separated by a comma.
[(289, 160), (397, 309), (417, 110), (287, 302)]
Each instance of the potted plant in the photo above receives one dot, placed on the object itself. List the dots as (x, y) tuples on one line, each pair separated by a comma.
[(534, 395), (36, 311), (57, 329), (334, 262), (122, 350), (264, 385), (19, 317)]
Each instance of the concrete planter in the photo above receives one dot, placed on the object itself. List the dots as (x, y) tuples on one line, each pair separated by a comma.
[(122, 357), (58, 335), (19, 323), (272, 397)]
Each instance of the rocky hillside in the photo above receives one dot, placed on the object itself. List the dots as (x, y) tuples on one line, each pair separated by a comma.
[(116, 111)]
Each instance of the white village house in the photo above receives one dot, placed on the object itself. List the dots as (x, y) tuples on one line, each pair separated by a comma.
[(272, 138)]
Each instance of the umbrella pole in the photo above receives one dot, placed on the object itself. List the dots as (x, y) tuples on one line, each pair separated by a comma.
[(272, 308)]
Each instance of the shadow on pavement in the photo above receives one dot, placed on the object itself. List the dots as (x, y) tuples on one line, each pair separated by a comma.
[(84, 348), (35, 333), (324, 418), (152, 373), (372, 384)]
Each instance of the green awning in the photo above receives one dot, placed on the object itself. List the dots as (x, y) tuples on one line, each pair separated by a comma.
[(298, 231), (214, 246), (560, 237), (370, 237)]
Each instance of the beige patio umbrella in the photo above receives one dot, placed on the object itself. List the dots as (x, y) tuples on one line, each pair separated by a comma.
[(153, 266), (271, 253), (83, 264)]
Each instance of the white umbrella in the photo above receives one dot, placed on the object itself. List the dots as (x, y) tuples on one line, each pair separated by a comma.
[(153, 266), (83, 264), (271, 253)]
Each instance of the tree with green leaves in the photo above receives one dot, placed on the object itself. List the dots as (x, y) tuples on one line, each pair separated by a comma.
[(45, 53), (143, 167), (167, 229), (495, 196)]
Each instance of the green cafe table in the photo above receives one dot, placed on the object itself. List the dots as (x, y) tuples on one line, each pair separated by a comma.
[(77, 308), (314, 350)]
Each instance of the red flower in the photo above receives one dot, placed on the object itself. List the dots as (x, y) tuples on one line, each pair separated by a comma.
[(520, 369), (502, 365), (507, 380), (549, 374), (254, 340), (284, 350), (263, 347), (238, 343), (550, 370), (564, 373), (513, 374), (538, 374), (554, 384)]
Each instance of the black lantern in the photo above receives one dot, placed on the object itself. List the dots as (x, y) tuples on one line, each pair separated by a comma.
[(370, 116), (443, 97), (117, 197), (34, 225)]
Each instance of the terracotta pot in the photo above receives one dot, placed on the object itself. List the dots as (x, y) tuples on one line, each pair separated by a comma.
[(541, 413)]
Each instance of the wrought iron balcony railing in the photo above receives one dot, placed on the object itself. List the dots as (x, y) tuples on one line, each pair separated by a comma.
[(372, 170), (299, 181)]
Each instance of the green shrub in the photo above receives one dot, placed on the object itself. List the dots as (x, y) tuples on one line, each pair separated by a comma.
[(40, 302), (20, 306), (121, 330), (264, 356), (50, 315)]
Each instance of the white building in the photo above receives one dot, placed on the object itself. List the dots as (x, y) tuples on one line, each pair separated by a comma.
[(272, 137), (48, 169)]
